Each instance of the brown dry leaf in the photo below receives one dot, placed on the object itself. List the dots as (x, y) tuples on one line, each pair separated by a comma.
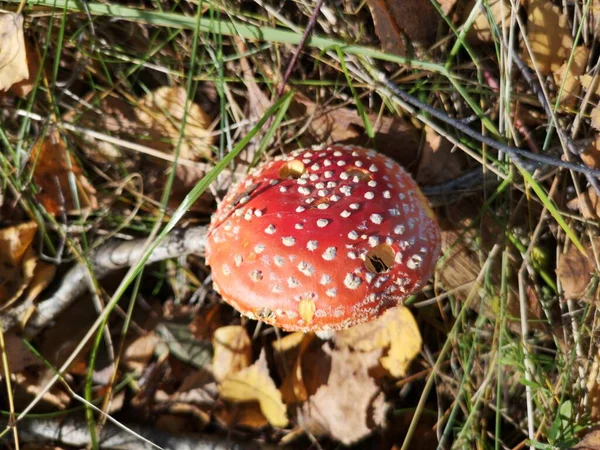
[(574, 271), (416, 19), (139, 352), (290, 341), (572, 84), (395, 331), (438, 162), (595, 116), (590, 441), (587, 203), (232, 351), (241, 414), (255, 384), (18, 354), (345, 125), (593, 389), (52, 166), (24, 87), (13, 57), (42, 276), (481, 31), (350, 405), (591, 154), (18, 261), (163, 110), (549, 49), (308, 372)]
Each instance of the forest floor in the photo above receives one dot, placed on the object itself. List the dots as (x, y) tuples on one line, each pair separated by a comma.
[(123, 123)]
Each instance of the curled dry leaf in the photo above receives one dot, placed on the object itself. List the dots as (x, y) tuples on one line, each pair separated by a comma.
[(53, 166), (241, 414), (13, 57), (232, 351), (396, 332), (254, 383), (549, 50), (350, 405), (575, 271), (163, 110), (591, 154)]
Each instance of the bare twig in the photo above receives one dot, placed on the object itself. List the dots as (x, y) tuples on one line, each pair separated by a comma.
[(74, 432)]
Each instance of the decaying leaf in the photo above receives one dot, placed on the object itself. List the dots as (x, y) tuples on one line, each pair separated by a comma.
[(572, 84), (396, 20), (25, 86), (590, 441), (350, 405), (163, 110), (306, 371), (575, 271), (232, 351), (439, 163), (395, 331), (53, 167), (18, 354), (591, 154), (139, 352), (587, 203), (241, 414), (18, 261), (481, 31), (13, 57), (549, 50), (255, 384)]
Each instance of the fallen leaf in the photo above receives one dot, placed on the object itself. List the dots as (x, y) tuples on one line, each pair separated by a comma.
[(481, 30), (590, 441), (439, 163), (290, 341), (350, 406), (593, 389), (591, 154), (53, 167), (138, 353), (396, 332), (13, 58), (25, 86), (344, 125), (255, 384), (549, 50), (572, 84), (396, 20), (309, 370), (232, 351), (163, 110), (595, 116), (587, 203), (18, 261), (241, 414), (574, 271), (18, 354)]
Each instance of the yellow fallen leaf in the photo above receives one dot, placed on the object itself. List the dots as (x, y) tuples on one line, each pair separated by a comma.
[(481, 30), (232, 351), (572, 84), (290, 341), (549, 49), (13, 58), (139, 351), (396, 331), (255, 384), (18, 261), (163, 110)]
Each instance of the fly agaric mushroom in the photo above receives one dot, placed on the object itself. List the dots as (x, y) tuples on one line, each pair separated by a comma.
[(322, 239)]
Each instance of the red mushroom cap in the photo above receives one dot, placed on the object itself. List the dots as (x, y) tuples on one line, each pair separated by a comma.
[(324, 238)]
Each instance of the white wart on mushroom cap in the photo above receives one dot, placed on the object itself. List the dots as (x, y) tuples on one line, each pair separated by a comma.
[(324, 238)]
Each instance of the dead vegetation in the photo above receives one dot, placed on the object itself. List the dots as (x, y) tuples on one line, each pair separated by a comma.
[(122, 124)]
